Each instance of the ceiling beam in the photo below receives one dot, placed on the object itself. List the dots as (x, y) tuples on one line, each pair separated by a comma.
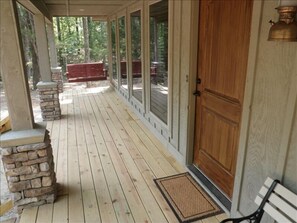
[(80, 10), (37, 7)]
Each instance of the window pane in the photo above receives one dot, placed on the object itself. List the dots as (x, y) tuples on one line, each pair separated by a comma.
[(136, 55), (114, 50), (159, 59), (123, 55)]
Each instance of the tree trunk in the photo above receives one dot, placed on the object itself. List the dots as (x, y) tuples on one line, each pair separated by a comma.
[(35, 67), (60, 40), (33, 49), (86, 39), (24, 19), (77, 31)]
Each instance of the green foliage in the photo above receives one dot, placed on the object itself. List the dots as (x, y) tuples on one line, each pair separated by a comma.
[(122, 38), (70, 40), (98, 40), (136, 35), (113, 49), (29, 45)]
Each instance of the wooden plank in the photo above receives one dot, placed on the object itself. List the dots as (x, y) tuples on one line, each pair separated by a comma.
[(137, 209), (60, 213), (143, 150), (161, 148), (146, 141), (12, 220), (145, 195), (104, 200), (119, 202), (91, 209), (124, 106), (45, 213), (166, 166), (29, 215), (149, 179), (75, 205), (91, 131), (221, 217), (133, 150), (116, 197), (61, 158), (55, 140), (212, 219), (110, 170), (99, 116)]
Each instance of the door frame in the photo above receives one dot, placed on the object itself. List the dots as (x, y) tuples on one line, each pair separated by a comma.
[(249, 87)]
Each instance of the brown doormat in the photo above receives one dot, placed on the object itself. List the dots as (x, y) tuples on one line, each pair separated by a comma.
[(186, 198)]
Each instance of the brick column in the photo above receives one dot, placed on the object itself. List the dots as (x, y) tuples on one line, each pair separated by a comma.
[(57, 77), (30, 173), (49, 100)]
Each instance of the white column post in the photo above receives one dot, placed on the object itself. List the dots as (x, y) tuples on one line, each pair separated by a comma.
[(12, 68)]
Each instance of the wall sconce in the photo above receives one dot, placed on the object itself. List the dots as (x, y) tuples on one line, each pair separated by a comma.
[(286, 28)]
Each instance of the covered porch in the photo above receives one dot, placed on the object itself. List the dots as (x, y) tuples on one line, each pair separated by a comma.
[(109, 142), (105, 161)]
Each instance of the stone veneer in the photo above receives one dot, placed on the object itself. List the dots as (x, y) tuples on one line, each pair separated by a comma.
[(30, 173), (49, 101), (57, 77)]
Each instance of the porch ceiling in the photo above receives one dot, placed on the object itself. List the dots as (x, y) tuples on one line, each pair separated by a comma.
[(98, 8)]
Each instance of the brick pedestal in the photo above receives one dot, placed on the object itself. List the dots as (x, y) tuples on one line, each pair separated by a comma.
[(57, 77), (30, 173), (49, 100)]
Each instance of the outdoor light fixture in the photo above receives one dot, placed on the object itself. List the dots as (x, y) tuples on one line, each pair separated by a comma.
[(286, 28)]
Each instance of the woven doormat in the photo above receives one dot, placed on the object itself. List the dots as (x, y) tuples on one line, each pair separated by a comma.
[(187, 199)]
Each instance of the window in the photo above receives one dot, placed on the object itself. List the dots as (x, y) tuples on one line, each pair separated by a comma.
[(159, 59), (137, 85)]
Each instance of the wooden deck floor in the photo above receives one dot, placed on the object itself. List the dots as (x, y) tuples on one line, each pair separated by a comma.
[(105, 160)]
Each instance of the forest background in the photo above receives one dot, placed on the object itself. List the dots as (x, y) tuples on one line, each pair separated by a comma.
[(78, 40)]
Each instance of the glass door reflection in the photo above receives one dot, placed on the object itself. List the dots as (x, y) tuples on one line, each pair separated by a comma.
[(123, 52), (114, 50), (137, 85), (159, 59)]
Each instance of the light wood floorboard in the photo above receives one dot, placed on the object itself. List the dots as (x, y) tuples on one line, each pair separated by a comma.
[(106, 160)]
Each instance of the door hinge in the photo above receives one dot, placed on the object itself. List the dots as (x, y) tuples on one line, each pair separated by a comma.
[(197, 93)]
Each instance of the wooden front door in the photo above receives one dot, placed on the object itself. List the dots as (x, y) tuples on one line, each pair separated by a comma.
[(224, 34)]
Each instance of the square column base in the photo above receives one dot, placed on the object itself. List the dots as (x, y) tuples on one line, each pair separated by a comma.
[(57, 77), (30, 174), (49, 101)]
